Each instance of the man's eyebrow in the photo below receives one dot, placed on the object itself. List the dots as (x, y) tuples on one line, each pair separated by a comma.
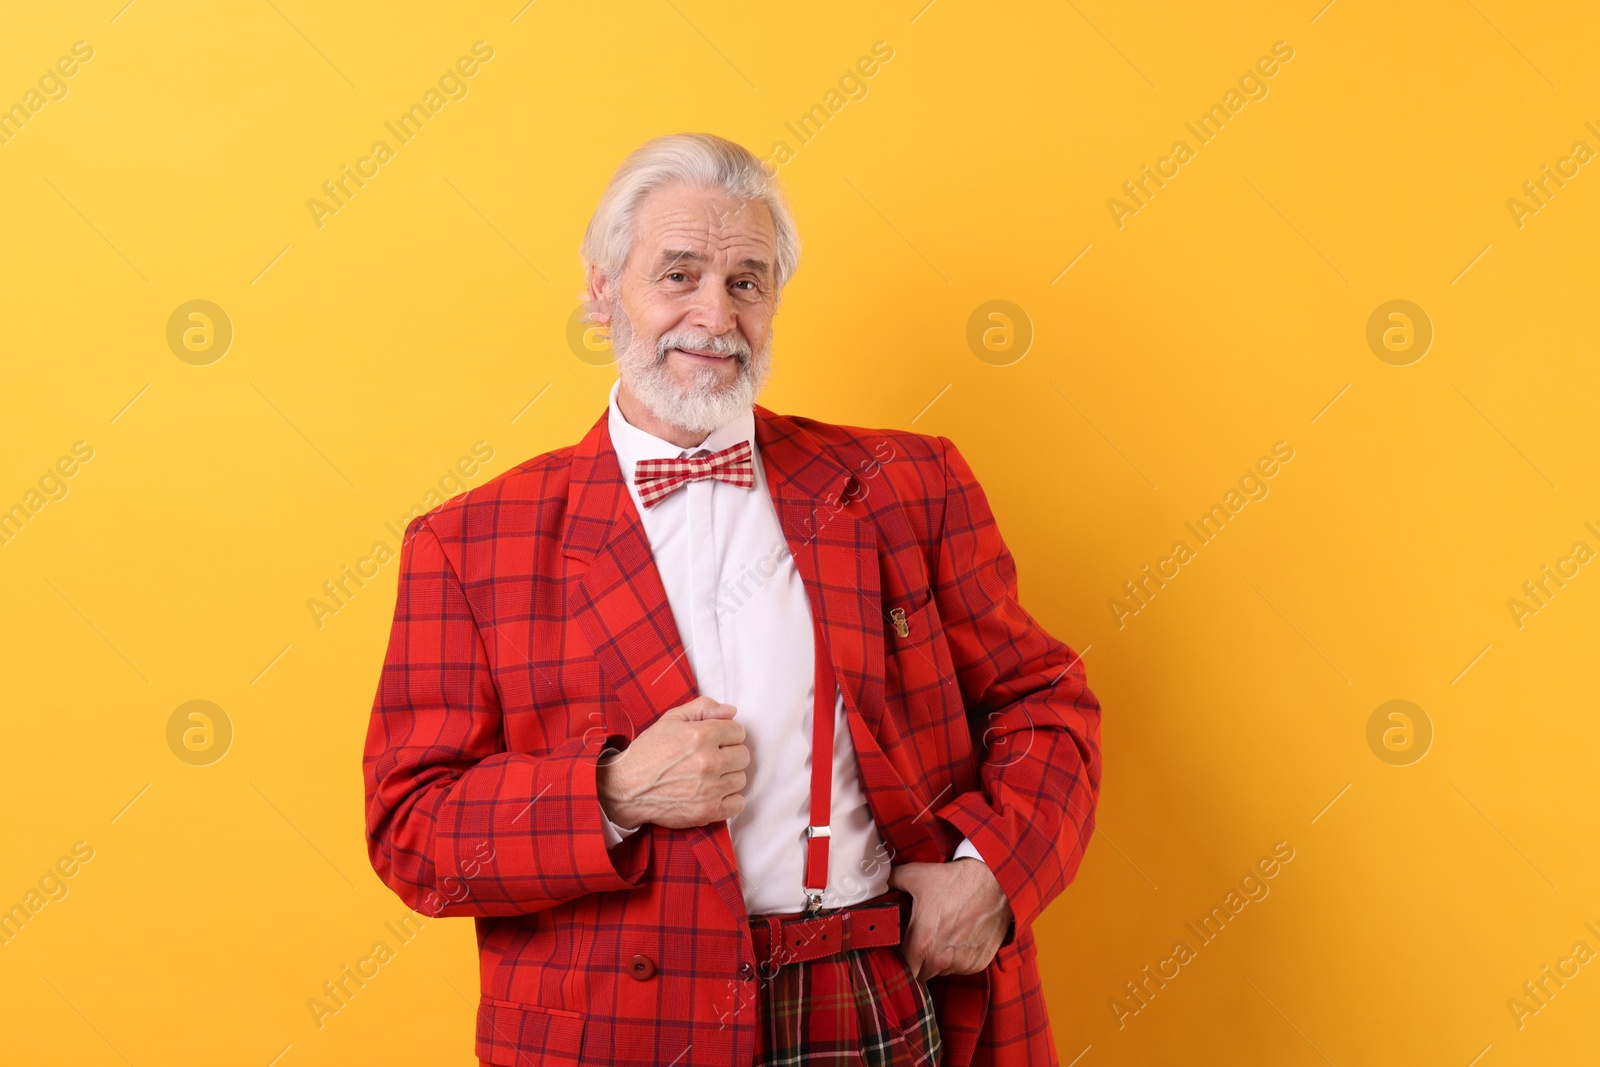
[(674, 255), (678, 255)]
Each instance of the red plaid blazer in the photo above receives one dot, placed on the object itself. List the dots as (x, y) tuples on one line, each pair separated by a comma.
[(532, 629)]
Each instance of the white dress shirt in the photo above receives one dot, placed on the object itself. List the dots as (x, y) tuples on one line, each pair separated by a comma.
[(741, 609)]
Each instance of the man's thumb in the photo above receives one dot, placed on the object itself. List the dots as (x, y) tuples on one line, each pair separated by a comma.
[(706, 708)]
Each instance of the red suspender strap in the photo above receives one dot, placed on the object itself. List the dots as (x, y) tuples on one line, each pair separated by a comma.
[(822, 711)]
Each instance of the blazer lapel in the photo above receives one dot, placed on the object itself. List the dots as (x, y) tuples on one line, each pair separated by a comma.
[(835, 548), (622, 608)]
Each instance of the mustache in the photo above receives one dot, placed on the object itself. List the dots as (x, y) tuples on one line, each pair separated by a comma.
[(727, 345)]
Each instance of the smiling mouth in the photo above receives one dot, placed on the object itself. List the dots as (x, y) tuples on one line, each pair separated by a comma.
[(702, 354)]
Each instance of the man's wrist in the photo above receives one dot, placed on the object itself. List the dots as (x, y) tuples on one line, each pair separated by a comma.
[(615, 832)]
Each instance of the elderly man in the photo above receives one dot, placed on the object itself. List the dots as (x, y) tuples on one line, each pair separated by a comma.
[(727, 726)]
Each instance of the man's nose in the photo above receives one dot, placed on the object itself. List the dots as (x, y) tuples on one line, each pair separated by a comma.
[(714, 311)]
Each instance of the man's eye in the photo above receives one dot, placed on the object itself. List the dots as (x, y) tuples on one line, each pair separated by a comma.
[(677, 275)]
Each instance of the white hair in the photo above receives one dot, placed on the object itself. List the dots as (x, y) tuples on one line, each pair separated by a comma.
[(693, 159)]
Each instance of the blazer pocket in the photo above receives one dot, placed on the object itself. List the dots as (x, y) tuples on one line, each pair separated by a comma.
[(910, 620), (917, 663), (510, 1033)]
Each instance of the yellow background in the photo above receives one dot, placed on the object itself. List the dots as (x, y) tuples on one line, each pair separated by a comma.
[(369, 354)]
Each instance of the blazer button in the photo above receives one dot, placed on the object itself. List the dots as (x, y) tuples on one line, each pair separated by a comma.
[(642, 967), (746, 971)]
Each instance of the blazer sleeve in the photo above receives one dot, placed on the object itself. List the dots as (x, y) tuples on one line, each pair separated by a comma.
[(457, 825), (1028, 705)]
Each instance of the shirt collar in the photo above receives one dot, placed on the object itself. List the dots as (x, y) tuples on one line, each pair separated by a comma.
[(633, 444)]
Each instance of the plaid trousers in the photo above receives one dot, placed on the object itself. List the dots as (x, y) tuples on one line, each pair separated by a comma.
[(851, 1008)]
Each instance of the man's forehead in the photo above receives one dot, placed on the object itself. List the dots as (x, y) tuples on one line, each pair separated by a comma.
[(687, 219), (712, 205)]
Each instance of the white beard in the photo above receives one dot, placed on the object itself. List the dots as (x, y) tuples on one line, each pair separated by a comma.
[(704, 403)]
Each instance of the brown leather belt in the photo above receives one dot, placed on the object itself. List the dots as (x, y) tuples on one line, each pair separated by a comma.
[(781, 939)]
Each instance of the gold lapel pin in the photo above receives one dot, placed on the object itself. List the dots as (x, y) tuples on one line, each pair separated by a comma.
[(898, 617)]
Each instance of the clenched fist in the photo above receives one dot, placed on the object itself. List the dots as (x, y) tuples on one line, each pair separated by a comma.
[(959, 916), (686, 769)]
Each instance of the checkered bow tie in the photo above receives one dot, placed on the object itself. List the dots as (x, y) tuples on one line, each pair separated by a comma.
[(656, 479)]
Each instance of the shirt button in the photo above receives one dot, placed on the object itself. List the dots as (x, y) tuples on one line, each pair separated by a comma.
[(746, 971), (642, 967)]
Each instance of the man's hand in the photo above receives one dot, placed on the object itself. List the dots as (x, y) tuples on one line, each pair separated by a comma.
[(686, 769), (959, 916)]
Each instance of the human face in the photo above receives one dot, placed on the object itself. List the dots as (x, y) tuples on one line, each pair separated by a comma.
[(691, 313)]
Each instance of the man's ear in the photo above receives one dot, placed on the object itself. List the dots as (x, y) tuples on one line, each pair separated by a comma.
[(599, 295)]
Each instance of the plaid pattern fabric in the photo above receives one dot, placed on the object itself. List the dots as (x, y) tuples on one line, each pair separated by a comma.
[(657, 478), (854, 1008), (531, 630)]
